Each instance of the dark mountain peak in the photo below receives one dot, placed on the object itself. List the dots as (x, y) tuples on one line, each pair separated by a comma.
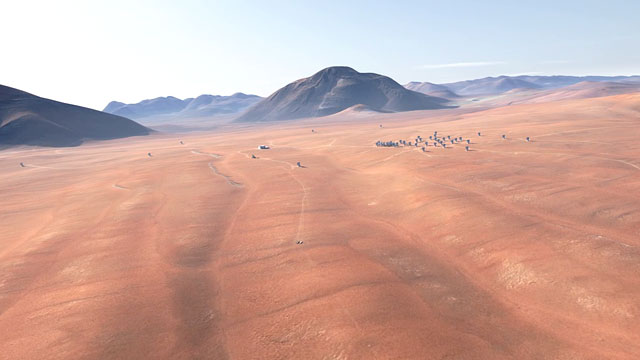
[(337, 71), (337, 88)]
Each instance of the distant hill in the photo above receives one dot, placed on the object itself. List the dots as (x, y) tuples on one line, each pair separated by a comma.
[(581, 90), (203, 105), (335, 89), (502, 84), (26, 119), (431, 89), (157, 106), (558, 81), (490, 85)]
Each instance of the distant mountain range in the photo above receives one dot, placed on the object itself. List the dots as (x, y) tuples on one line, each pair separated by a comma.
[(431, 89), (587, 89), (202, 106), (581, 90), (31, 120), (337, 88), (26, 119), (501, 84)]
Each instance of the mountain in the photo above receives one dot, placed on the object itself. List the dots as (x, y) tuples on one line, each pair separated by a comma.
[(558, 81), (145, 108), (337, 88), (203, 105), (26, 119), (206, 105), (502, 84), (431, 89), (113, 106), (490, 85)]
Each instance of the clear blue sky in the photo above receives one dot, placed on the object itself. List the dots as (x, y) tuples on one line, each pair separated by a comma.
[(91, 52)]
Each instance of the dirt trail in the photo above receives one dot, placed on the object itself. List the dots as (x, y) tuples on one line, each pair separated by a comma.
[(213, 168)]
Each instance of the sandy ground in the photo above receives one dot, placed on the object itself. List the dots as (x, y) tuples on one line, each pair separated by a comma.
[(514, 250)]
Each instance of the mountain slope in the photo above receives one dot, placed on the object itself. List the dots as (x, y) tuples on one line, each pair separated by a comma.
[(26, 119), (337, 88)]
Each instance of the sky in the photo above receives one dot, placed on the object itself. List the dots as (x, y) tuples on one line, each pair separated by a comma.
[(91, 52)]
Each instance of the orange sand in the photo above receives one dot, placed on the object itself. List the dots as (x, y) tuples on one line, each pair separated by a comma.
[(515, 250)]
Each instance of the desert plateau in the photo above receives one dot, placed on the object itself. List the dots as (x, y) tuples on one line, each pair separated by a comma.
[(514, 249)]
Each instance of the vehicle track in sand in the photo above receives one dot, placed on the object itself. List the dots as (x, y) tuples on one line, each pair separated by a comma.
[(215, 170)]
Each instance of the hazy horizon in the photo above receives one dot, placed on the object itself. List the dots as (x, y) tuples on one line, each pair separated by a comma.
[(91, 54)]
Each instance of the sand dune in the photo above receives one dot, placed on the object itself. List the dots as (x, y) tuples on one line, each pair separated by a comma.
[(514, 250)]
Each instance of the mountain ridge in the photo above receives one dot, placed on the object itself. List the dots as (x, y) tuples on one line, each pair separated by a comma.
[(203, 105), (500, 84)]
